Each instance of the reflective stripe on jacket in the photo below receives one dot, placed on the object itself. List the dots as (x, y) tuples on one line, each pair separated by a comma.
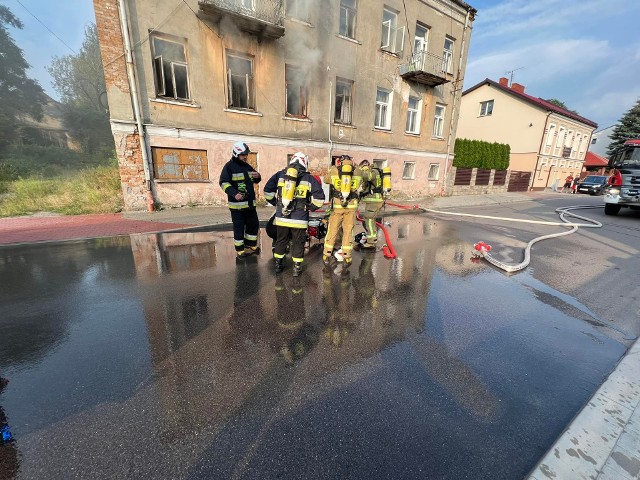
[(234, 178), (308, 196)]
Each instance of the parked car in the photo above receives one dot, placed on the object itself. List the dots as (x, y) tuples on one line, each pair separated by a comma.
[(593, 184)]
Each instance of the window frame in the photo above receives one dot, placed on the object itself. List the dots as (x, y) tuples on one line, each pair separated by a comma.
[(158, 67), (416, 113), (249, 81), (350, 22), (550, 134), (447, 55), (412, 165), (392, 32), (486, 108), (291, 71), (348, 83), (424, 41), (438, 121), (387, 107), (288, 10), (437, 175)]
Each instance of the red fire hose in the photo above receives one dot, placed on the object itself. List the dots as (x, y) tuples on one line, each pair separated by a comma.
[(387, 249)]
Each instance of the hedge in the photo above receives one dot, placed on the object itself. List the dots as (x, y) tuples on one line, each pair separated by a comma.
[(480, 154)]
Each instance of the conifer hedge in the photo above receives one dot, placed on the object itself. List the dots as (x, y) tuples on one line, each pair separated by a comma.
[(480, 154)]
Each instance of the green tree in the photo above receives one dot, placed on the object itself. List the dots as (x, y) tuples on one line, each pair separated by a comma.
[(19, 95), (79, 79), (628, 127), (560, 104)]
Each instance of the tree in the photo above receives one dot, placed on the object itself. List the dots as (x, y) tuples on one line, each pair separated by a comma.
[(19, 95), (628, 127), (79, 79), (560, 104)]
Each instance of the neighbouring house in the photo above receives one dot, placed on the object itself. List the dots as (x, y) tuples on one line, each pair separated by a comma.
[(600, 141), (547, 142), (594, 164), (378, 80), (48, 131)]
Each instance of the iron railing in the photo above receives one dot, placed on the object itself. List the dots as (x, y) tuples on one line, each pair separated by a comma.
[(270, 11), (423, 61)]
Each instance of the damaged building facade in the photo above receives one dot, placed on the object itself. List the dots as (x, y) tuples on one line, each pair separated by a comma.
[(377, 80)]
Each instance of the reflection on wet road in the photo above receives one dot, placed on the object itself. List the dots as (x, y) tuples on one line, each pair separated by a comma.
[(157, 356)]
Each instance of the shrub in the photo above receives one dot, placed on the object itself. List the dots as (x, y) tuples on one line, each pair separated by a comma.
[(481, 154)]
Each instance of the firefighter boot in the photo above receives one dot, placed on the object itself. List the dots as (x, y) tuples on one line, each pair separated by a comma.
[(297, 269), (279, 265)]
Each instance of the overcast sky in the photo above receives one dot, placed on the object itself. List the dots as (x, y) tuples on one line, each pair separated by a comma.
[(585, 53)]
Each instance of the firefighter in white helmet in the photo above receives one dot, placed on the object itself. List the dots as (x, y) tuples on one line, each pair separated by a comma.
[(294, 191)]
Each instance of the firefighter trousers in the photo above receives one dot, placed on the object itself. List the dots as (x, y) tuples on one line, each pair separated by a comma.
[(245, 228), (342, 219), (298, 238), (370, 214)]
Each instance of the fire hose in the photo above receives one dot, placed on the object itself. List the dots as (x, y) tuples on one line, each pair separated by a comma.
[(387, 249), (482, 249)]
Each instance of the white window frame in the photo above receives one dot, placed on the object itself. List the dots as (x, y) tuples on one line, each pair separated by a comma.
[(414, 116), (159, 64), (438, 120), (447, 55), (550, 133), (350, 15), (486, 108), (411, 174), (421, 43), (383, 110), (249, 82), (562, 133), (346, 109), (392, 38), (293, 10), (434, 167)]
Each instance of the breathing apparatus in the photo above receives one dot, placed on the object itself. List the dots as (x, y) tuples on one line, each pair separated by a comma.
[(346, 173), (386, 179), (287, 193)]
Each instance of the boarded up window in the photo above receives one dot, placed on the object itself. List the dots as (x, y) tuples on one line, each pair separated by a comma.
[(180, 164), (482, 176)]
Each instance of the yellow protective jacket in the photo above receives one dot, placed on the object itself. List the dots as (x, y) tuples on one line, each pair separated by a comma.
[(371, 185), (333, 179)]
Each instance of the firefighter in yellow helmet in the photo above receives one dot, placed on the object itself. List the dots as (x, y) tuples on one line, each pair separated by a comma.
[(376, 185), (345, 181)]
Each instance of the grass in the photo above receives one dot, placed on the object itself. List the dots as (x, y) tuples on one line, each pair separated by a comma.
[(92, 190)]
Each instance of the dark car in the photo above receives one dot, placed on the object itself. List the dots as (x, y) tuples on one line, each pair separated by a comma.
[(593, 184)]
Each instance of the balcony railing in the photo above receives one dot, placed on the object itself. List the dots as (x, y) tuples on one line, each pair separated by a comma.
[(263, 18), (426, 68)]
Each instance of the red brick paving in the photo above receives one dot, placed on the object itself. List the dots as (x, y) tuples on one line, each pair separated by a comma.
[(38, 229)]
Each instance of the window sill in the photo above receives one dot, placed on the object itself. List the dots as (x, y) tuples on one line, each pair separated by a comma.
[(174, 102), (296, 119), (348, 39), (382, 130), (181, 180), (412, 134), (344, 125), (301, 22), (243, 112), (438, 138), (407, 178), (388, 52)]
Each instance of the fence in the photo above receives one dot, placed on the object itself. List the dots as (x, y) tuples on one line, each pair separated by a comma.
[(479, 181)]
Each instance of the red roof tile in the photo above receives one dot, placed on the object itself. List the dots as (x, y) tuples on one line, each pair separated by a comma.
[(537, 101), (594, 160)]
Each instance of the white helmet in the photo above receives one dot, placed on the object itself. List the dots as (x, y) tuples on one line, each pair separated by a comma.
[(301, 158), (240, 148)]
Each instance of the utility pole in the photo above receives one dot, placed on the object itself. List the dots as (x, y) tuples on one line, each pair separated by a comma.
[(510, 73)]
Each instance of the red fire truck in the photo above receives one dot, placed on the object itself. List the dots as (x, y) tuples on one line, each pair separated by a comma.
[(624, 190)]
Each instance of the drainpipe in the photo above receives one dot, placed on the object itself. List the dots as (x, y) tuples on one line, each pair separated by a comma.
[(135, 100), (454, 93), (330, 103), (535, 172)]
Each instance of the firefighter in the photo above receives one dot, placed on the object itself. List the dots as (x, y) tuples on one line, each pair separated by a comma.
[(344, 181), (376, 187), (294, 191), (237, 179)]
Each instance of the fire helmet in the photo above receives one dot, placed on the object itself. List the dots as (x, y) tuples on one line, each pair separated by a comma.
[(365, 163), (240, 148), (300, 158)]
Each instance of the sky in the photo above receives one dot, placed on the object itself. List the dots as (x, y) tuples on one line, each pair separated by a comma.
[(585, 53)]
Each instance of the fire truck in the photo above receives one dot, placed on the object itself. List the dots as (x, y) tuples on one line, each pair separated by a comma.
[(624, 189)]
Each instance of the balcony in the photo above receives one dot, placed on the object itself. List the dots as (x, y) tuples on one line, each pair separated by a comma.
[(263, 18), (426, 68)]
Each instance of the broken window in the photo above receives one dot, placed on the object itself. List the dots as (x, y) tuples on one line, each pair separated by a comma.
[(179, 164), (170, 69), (348, 18), (343, 101), (240, 82), (296, 94)]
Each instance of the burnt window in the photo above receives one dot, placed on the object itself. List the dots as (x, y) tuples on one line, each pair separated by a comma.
[(170, 70), (296, 94), (179, 164), (240, 82)]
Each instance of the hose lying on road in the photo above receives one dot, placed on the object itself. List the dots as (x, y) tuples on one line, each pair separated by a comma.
[(562, 211)]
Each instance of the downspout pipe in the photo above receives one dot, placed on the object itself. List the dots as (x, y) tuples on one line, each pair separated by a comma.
[(454, 93), (329, 120), (135, 100)]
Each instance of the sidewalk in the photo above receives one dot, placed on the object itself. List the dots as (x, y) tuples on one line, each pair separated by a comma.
[(602, 441)]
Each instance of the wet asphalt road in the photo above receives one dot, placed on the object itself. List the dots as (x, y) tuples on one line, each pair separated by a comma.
[(156, 356)]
